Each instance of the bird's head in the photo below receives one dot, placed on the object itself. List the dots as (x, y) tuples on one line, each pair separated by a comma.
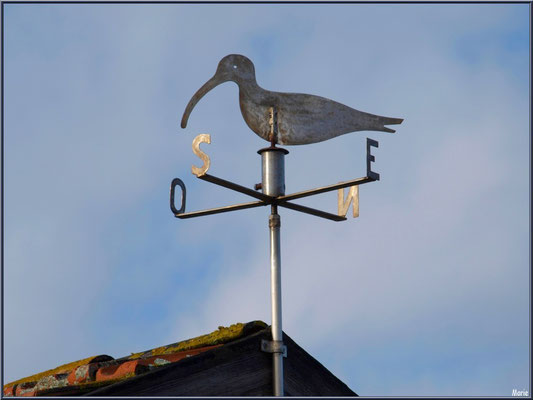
[(233, 67)]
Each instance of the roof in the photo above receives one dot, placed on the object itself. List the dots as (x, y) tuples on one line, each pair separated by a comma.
[(92, 373)]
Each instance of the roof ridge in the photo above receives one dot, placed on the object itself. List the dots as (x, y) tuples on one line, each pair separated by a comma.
[(89, 367), (220, 336), (60, 369)]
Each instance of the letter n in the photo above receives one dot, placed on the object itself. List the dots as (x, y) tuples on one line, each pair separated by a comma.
[(353, 194)]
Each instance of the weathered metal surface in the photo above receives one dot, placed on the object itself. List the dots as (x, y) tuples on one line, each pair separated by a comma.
[(273, 184), (273, 123), (301, 118), (311, 211), (177, 182), (273, 179), (282, 201), (324, 189), (236, 187), (288, 119), (274, 225), (344, 205), (273, 171), (273, 346), (219, 210), (202, 138), (370, 158)]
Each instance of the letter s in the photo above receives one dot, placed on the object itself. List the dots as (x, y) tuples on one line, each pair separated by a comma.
[(202, 138)]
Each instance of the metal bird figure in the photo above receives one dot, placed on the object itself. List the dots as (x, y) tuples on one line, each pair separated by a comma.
[(301, 118)]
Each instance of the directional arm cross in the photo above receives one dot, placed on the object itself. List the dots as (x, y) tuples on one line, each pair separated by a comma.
[(264, 200)]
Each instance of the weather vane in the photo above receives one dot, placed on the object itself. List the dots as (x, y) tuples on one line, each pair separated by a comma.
[(285, 119)]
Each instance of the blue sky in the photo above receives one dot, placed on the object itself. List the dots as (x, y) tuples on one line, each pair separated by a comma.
[(426, 293)]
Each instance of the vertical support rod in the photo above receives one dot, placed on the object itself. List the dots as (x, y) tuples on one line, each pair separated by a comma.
[(274, 224), (273, 184)]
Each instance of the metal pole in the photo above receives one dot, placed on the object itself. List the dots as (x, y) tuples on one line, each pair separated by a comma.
[(274, 223), (273, 184)]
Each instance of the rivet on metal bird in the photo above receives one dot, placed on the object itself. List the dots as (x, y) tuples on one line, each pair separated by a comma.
[(301, 118)]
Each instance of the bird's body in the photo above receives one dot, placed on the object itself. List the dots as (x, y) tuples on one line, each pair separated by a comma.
[(301, 118)]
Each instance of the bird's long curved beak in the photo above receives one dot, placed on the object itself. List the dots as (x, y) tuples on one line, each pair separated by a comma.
[(216, 80)]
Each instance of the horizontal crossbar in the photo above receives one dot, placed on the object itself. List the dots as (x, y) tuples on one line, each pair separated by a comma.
[(329, 188), (282, 201), (236, 187), (312, 211), (219, 210)]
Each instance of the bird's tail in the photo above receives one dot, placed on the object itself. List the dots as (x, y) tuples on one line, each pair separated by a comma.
[(389, 121)]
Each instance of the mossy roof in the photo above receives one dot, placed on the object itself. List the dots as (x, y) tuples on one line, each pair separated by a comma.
[(58, 375)]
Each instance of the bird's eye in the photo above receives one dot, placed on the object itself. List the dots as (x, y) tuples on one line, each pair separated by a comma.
[(234, 67)]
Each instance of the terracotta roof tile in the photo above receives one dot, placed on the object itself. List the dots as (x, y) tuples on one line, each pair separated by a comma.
[(25, 389), (9, 391), (121, 371), (82, 376)]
